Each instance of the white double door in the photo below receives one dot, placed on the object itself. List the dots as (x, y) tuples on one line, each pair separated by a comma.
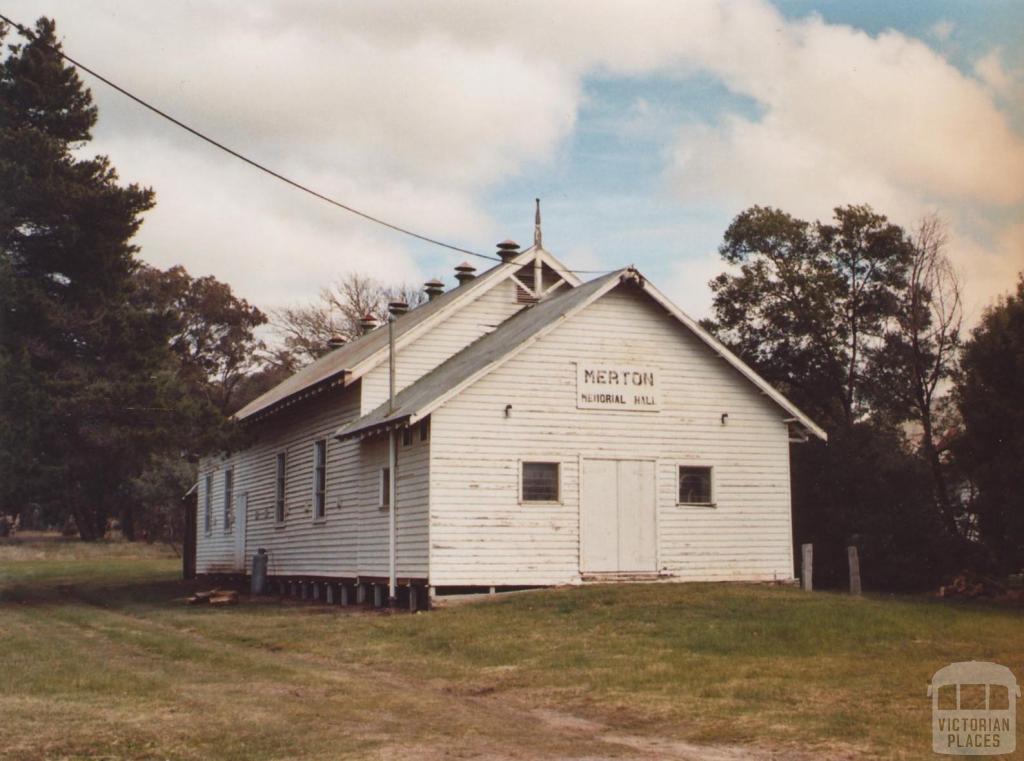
[(617, 517)]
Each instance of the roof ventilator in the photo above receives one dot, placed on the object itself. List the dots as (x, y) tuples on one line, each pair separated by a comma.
[(465, 272), (508, 250), (367, 323), (433, 288)]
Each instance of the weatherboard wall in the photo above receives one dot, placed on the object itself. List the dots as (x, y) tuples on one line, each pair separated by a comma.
[(480, 533), (351, 539), (443, 340)]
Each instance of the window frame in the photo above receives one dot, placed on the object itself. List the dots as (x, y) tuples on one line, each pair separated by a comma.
[(711, 485), (384, 488), (280, 487), (229, 495), (319, 475), (407, 436), (558, 480), (425, 429), (208, 504)]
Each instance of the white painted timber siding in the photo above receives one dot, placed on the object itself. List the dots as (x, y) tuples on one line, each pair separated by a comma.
[(215, 549), (481, 534), (444, 340), (353, 528), (411, 517)]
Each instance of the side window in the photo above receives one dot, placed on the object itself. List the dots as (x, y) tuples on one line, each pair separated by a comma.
[(208, 503), (320, 478), (425, 430), (279, 489), (229, 493), (540, 482), (695, 485), (407, 436), (385, 488)]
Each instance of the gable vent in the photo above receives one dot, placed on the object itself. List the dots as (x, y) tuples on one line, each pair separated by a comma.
[(525, 276)]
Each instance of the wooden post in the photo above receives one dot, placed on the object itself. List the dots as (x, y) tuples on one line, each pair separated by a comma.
[(807, 566), (360, 594), (330, 593), (344, 594), (413, 598), (851, 554)]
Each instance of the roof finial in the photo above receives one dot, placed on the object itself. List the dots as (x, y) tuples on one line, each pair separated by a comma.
[(536, 226)]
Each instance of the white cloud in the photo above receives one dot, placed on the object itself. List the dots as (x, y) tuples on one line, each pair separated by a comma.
[(887, 108), (408, 128), (942, 29), (850, 118), (413, 113), (989, 69), (688, 283)]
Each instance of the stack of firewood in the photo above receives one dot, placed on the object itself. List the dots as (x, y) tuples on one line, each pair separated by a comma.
[(968, 584), (214, 597)]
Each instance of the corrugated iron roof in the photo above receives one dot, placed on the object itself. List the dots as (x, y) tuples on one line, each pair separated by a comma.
[(477, 359), (478, 356), (333, 365)]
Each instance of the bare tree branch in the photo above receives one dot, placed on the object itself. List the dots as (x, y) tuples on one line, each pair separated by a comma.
[(307, 331), (931, 328)]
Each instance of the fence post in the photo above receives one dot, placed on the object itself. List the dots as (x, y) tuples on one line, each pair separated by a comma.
[(807, 567), (851, 554)]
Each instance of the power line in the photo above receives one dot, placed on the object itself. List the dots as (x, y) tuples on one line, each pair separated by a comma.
[(241, 157)]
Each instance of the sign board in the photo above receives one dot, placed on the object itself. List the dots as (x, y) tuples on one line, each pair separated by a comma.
[(617, 386)]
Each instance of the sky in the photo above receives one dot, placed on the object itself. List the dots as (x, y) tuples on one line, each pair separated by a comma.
[(644, 127)]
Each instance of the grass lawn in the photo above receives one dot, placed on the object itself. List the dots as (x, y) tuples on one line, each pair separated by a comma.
[(101, 659)]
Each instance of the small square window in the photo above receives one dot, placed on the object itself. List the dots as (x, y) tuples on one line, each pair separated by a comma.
[(540, 482), (694, 485), (385, 487)]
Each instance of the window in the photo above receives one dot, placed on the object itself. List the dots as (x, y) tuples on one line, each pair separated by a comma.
[(279, 493), (540, 482), (406, 437), (319, 478), (229, 493), (425, 430), (385, 487), (694, 485), (208, 503)]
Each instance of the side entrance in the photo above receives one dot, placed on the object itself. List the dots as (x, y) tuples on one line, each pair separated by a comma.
[(617, 517)]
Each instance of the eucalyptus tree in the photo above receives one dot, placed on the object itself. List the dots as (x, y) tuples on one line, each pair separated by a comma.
[(842, 316)]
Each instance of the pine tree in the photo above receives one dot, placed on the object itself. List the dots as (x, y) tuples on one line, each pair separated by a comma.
[(88, 388)]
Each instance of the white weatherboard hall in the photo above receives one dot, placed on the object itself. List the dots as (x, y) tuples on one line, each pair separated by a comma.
[(543, 431)]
